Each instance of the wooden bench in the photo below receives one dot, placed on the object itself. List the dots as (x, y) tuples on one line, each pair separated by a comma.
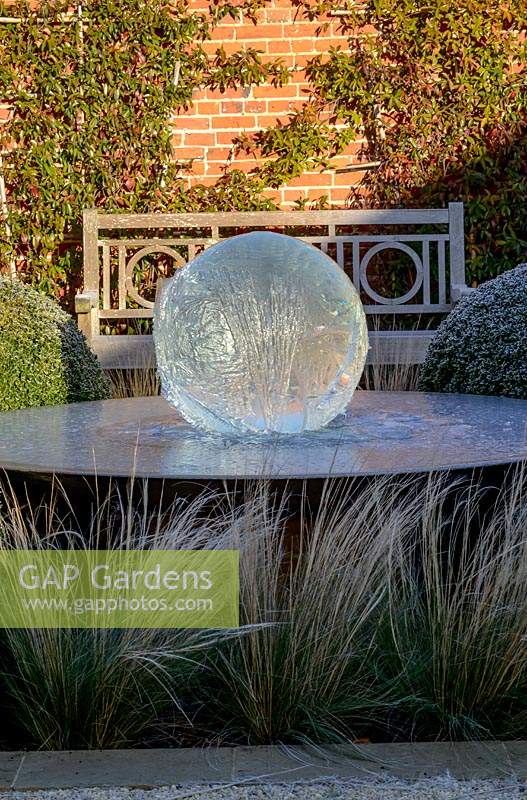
[(114, 244)]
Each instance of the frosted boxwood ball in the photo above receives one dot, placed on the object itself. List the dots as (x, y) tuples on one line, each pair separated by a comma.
[(260, 333)]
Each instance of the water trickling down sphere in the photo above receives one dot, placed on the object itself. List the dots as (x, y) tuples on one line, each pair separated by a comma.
[(260, 333)]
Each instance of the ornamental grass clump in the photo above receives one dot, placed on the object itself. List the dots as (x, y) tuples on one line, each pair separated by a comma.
[(396, 611), (457, 614), (44, 357), (64, 689), (481, 347), (312, 595)]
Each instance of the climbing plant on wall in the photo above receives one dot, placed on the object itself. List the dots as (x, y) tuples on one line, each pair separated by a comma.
[(439, 91), (93, 91)]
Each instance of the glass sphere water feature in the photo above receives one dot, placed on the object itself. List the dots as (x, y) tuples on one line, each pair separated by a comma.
[(260, 333)]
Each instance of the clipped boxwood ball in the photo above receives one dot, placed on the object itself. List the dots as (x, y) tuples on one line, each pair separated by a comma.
[(44, 358), (481, 347)]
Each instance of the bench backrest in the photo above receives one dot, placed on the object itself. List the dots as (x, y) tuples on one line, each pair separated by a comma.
[(114, 244)]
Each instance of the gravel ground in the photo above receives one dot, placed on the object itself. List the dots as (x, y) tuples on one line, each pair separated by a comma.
[(432, 789)]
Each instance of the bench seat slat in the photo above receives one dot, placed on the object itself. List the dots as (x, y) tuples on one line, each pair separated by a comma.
[(387, 347)]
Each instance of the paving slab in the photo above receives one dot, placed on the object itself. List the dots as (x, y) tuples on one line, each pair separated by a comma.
[(186, 766), (462, 760), (138, 768), (10, 763)]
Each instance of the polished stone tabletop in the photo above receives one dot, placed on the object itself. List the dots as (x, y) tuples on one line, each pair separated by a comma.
[(381, 433)]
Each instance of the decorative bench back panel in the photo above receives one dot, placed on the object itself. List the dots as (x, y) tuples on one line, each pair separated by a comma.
[(430, 242)]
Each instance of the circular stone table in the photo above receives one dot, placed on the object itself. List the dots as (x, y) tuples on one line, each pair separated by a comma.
[(382, 433)]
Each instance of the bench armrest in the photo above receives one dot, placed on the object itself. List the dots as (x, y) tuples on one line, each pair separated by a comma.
[(86, 308), (85, 301), (460, 290)]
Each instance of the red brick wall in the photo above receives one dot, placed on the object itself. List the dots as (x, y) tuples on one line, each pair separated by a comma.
[(206, 131)]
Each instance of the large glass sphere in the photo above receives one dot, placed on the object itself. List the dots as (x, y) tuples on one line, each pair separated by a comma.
[(260, 333)]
